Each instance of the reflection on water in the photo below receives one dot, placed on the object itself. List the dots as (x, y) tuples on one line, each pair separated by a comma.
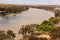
[(28, 17)]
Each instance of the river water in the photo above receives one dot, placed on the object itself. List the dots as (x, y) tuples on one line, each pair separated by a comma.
[(32, 16)]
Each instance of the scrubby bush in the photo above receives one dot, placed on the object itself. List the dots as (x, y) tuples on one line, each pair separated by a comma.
[(45, 26)]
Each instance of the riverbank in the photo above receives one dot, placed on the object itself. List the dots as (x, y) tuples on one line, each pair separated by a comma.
[(31, 16)]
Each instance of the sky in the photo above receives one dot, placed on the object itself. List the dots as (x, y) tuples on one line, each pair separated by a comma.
[(37, 2)]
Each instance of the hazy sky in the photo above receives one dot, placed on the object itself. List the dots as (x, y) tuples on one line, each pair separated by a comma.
[(51, 2)]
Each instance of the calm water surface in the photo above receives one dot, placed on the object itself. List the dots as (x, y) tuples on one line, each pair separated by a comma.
[(31, 16)]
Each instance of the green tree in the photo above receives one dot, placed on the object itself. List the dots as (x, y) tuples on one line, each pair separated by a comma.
[(54, 20), (11, 34), (3, 35), (57, 13), (27, 30)]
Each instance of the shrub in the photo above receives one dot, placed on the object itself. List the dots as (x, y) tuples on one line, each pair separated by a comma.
[(45, 26)]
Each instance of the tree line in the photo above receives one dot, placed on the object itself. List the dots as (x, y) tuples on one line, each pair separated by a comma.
[(12, 9)]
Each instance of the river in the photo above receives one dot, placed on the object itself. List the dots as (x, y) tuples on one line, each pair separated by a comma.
[(32, 16)]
